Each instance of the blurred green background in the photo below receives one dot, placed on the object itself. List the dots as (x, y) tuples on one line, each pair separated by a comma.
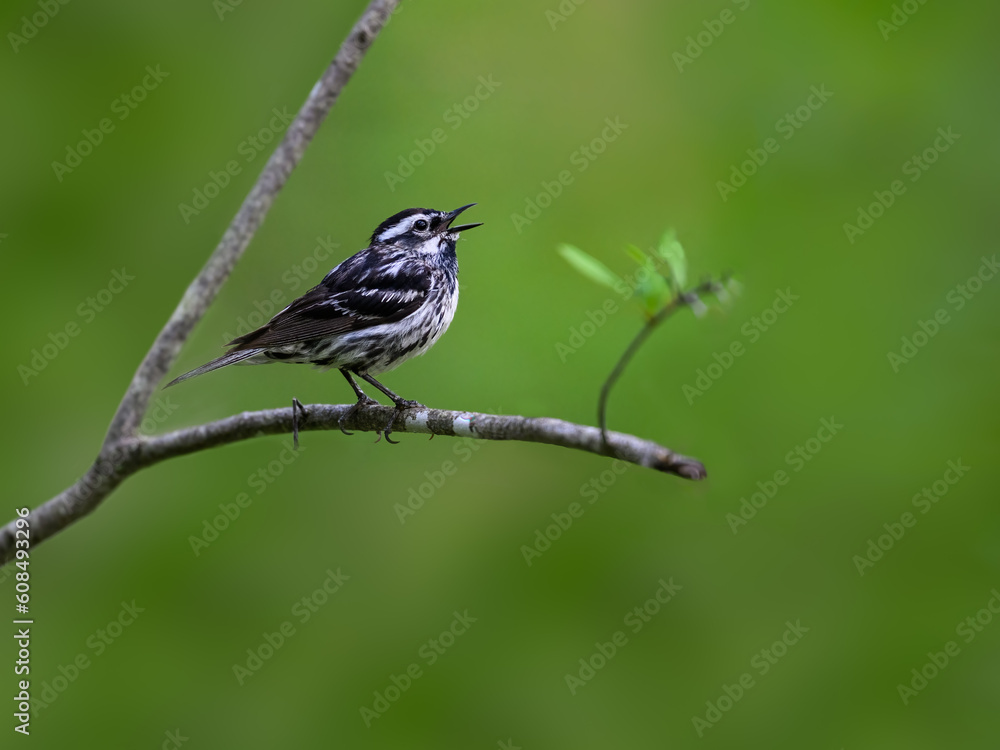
[(555, 77)]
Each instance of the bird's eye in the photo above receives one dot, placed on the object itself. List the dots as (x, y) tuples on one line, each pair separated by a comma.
[(420, 224)]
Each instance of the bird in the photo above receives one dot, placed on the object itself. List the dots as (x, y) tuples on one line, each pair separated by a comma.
[(382, 306)]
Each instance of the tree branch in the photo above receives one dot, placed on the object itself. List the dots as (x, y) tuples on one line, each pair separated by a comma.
[(201, 293), (120, 444), (126, 452), (133, 454)]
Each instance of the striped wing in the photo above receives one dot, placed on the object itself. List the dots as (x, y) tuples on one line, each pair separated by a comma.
[(359, 293)]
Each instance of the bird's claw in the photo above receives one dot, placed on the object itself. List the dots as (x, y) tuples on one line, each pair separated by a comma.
[(401, 406), (366, 401)]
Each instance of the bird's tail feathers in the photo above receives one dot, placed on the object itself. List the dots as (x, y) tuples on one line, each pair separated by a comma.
[(230, 358)]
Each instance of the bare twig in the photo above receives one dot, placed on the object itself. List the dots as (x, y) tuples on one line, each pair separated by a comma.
[(201, 293), (681, 299)]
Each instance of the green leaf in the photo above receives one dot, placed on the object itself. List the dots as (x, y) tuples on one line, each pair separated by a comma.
[(673, 253), (637, 255), (654, 293), (651, 289), (590, 266)]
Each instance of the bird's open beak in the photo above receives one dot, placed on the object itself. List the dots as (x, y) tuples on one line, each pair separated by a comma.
[(452, 215)]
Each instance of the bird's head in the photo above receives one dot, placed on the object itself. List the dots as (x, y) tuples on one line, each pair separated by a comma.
[(422, 229)]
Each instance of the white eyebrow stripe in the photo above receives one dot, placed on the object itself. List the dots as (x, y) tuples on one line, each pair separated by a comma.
[(402, 228)]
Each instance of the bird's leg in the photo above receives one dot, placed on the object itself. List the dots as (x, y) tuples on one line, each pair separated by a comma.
[(363, 400), (296, 408), (401, 404)]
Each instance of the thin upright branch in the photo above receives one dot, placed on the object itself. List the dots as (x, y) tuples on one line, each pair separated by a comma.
[(201, 293), (681, 299)]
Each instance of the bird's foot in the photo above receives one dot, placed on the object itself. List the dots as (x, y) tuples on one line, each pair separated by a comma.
[(362, 401), (401, 406)]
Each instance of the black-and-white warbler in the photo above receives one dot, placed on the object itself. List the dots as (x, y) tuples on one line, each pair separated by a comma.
[(388, 303)]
